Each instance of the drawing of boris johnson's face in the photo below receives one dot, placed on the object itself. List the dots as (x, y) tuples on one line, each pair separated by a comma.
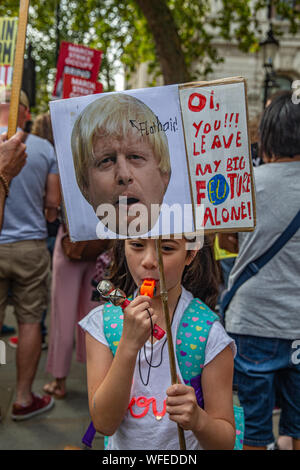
[(119, 165), (125, 173)]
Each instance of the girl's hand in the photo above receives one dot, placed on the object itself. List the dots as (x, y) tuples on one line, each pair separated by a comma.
[(183, 408), (137, 324)]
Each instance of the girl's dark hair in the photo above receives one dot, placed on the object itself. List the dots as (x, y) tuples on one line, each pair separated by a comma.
[(279, 128), (201, 277)]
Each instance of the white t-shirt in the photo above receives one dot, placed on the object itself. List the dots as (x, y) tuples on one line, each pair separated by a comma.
[(146, 425)]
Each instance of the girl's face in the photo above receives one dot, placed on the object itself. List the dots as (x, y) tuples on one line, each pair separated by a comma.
[(142, 261)]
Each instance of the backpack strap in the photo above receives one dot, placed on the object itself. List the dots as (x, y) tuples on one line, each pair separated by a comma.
[(112, 325), (191, 339)]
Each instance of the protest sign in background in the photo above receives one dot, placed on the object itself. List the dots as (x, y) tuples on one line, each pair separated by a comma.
[(76, 86), (76, 60), (8, 36), (215, 123)]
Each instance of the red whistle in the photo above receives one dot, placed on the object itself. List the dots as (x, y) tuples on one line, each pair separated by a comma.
[(148, 287)]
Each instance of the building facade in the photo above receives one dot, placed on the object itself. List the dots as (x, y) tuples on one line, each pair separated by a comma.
[(286, 65)]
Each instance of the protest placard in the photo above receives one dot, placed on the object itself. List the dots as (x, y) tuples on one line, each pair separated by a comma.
[(74, 86), (76, 60), (217, 145), (203, 181), (146, 115)]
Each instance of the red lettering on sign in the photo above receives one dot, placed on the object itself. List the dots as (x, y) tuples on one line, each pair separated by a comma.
[(217, 125), (229, 141), (200, 195), (239, 184), (207, 128), (217, 222), (207, 169), (195, 153), (216, 143), (235, 164), (226, 142), (243, 209), (225, 215), (197, 127), (217, 164), (235, 215), (249, 209), (218, 215), (246, 182), (208, 215)]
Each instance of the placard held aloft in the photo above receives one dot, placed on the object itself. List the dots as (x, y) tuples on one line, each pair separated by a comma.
[(156, 161), (215, 125)]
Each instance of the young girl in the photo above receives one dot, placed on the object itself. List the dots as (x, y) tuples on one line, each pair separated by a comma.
[(134, 403)]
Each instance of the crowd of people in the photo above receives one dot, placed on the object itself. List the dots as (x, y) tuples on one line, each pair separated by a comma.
[(250, 340)]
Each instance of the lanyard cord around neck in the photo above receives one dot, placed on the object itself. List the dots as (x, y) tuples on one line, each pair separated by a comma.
[(151, 353)]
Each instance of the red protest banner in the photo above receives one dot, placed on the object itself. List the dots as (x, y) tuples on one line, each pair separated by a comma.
[(76, 86), (76, 60)]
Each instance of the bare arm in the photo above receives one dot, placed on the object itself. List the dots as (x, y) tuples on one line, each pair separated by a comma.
[(229, 242), (52, 197), (109, 384), (213, 427)]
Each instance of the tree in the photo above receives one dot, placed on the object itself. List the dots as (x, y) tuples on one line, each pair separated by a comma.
[(174, 37), (183, 31), (167, 40)]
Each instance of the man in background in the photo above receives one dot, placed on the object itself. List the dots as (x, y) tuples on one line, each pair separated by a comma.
[(24, 257)]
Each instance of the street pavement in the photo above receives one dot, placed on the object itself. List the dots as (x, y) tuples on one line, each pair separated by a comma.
[(62, 426)]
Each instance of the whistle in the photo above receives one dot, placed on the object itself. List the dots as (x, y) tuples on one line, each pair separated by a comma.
[(148, 288), (118, 298)]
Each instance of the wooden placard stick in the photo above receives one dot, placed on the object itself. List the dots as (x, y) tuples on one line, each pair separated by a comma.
[(18, 69), (164, 299)]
